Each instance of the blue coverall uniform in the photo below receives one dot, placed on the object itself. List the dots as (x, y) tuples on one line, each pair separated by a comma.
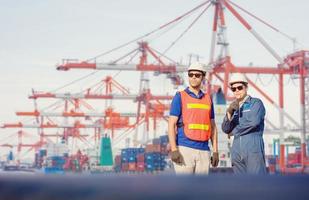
[(247, 126)]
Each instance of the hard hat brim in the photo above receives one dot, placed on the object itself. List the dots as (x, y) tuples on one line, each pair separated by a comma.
[(197, 70), (243, 82)]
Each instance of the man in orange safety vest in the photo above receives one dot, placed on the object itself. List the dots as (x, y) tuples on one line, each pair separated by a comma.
[(191, 125)]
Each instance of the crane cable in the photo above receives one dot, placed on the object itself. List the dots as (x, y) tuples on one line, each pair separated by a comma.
[(160, 34), (186, 30), (124, 56), (162, 55), (284, 84), (268, 82), (265, 23), (74, 81), (149, 33), (180, 36), (292, 80), (132, 57)]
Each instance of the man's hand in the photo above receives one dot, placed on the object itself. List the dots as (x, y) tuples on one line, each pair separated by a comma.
[(176, 157), (214, 159), (233, 107)]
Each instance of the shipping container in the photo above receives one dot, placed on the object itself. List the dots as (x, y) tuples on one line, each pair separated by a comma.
[(156, 141), (151, 158), (153, 148), (117, 168), (124, 167), (164, 139), (42, 152), (140, 166), (140, 157), (53, 170), (132, 166), (118, 160), (294, 159), (132, 158)]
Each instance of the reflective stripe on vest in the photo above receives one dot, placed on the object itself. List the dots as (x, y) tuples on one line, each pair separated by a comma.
[(198, 105), (199, 126)]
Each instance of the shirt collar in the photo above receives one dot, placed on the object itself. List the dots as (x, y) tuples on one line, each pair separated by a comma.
[(200, 93)]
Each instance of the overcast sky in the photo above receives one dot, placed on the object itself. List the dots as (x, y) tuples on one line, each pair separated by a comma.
[(35, 35)]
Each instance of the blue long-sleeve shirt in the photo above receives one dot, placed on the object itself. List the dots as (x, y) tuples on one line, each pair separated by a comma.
[(249, 119)]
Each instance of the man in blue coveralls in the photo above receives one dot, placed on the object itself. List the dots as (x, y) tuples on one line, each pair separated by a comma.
[(191, 125), (245, 121)]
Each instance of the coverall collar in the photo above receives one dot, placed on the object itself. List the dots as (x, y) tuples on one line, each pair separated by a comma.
[(245, 100)]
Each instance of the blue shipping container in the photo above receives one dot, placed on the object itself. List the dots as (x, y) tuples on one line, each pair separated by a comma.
[(53, 170), (164, 139), (42, 152), (156, 141)]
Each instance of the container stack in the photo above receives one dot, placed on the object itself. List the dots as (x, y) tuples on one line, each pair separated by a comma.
[(164, 144), (57, 161), (307, 145), (140, 162), (154, 161), (55, 164), (117, 166), (272, 161), (294, 159), (52, 157), (149, 159), (39, 158), (129, 159)]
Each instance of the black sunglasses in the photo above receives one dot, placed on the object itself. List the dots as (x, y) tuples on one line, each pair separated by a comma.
[(198, 75), (239, 88)]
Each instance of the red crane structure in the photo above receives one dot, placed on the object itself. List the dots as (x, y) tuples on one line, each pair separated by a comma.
[(153, 106), (107, 120), (20, 145), (296, 64)]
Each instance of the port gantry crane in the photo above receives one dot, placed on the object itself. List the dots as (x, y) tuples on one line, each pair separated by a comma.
[(107, 120), (30, 146), (154, 108)]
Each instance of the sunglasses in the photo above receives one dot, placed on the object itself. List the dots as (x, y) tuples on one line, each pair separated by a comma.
[(198, 75), (239, 88)]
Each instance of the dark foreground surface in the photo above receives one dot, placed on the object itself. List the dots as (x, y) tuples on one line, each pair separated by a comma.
[(51, 187)]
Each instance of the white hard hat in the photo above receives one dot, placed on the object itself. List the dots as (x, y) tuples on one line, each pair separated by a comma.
[(197, 66), (238, 78)]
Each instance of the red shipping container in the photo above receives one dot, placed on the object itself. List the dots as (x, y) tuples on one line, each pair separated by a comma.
[(148, 148), (140, 157), (164, 150), (294, 158), (153, 148), (125, 167), (118, 160), (157, 148), (140, 166), (132, 166)]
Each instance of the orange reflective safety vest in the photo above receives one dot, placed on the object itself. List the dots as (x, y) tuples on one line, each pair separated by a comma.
[(196, 116)]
